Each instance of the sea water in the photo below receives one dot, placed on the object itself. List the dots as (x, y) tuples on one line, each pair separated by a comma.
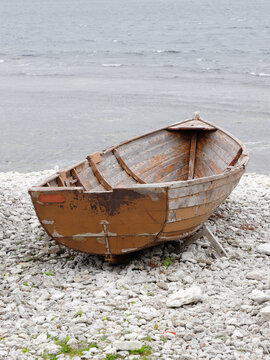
[(79, 76)]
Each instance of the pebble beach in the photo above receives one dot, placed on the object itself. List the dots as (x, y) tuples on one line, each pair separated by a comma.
[(56, 303)]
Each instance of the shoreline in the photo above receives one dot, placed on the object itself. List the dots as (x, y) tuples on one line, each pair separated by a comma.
[(56, 299)]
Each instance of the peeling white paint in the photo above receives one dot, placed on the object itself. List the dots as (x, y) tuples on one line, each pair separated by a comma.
[(128, 250), (55, 234), (104, 222), (101, 240), (94, 234), (47, 222), (146, 234)]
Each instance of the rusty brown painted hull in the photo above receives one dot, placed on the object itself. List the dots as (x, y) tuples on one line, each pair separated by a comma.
[(158, 187)]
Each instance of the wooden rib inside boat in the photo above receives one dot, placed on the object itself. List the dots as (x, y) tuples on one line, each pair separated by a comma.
[(154, 188)]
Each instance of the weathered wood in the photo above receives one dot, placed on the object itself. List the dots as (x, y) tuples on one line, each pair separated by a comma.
[(214, 241), (87, 176), (237, 156), (60, 181), (192, 125), (192, 155), (98, 174), (180, 174), (111, 169), (201, 198), (206, 144), (181, 189), (126, 168), (204, 231), (185, 224), (149, 158), (172, 204), (192, 211), (77, 177)]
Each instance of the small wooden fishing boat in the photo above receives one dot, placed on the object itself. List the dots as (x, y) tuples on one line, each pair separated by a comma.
[(154, 188)]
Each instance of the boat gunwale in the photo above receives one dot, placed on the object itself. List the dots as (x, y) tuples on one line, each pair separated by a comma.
[(241, 164)]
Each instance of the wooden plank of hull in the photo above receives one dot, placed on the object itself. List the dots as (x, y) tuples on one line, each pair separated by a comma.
[(192, 210), (177, 235), (152, 142), (180, 174), (201, 198), (156, 159), (182, 189), (223, 145), (153, 160), (193, 220), (183, 225), (213, 149), (167, 168)]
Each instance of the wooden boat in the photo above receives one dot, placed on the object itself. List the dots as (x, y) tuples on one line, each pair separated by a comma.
[(154, 188)]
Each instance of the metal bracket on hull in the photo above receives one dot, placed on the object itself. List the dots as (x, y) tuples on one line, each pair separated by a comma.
[(108, 254), (205, 231)]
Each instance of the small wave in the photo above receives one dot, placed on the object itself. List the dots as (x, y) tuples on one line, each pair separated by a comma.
[(29, 55), (264, 74), (259, 74), (167, 51), (252, 142), (112, 65), (139, 53), (45, 74), (1, 60)]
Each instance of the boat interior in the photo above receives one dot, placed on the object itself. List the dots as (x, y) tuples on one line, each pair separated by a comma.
[(185, 151)]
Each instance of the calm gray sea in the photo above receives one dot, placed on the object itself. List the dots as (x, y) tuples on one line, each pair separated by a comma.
[(78, 76)]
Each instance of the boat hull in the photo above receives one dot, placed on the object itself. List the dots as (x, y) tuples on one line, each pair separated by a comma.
[(116, 203), (128, 220)]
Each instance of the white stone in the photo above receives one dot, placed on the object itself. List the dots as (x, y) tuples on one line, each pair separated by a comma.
[(255, 275), (265, 312), (100, 294), (162, 285), (185, 296), (73, 342), (188, 256), (238, 334), (127, 345), (57, 295), (149, 313), (264, 248), (259, 296), (42, 338), (51, 348)]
